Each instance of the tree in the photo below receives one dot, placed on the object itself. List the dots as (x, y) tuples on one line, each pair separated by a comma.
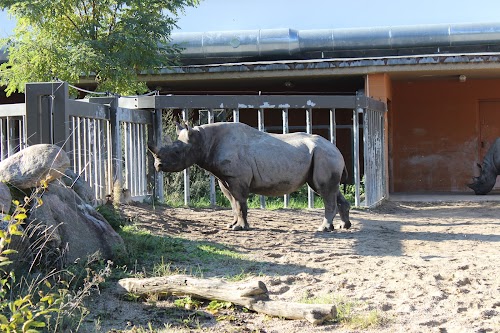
[(109, 41)]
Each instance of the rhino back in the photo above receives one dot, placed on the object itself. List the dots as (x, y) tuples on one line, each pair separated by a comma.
[(270, 164)]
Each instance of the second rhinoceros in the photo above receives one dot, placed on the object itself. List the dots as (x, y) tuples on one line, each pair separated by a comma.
[(490, 169)]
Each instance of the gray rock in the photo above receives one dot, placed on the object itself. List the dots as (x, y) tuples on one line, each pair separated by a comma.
[(65, 229), (34, 165), (80, 186), (5, 198)]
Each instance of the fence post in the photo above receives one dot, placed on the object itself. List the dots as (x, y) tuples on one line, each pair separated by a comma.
[(286, 197), (116, 143), (155, 137), (60, 116), (262, 128), (310, 192), (46, 117), (187, 191), (357, 177), (213, 197)]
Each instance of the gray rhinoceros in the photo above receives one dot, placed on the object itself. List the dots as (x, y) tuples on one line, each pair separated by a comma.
[(490, 169), (245, 160)]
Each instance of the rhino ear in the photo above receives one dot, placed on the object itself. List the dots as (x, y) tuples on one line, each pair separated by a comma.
[(179, 127)]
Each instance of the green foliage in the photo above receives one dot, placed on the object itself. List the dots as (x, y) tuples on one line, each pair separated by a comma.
[(49, 301), (187, 302), (112, 215), (215, 306), (111, 42)]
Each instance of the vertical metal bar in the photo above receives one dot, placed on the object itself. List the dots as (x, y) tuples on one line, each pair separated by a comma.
[(158, 176), (3, 138), (212, 178), (101, 180), (286, 197), (355, 129), (95, 153), (9, 137), (262, 128), (333, 127), (236, 115), (368, 157), (310, 192), (141, 158), (187, 191), (109, 159), (84, 152)]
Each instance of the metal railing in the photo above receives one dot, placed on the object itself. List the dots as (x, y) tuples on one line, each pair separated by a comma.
[(105, 142)]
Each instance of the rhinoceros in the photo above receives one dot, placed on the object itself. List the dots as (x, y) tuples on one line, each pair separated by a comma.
[(490, 169), (245, 160)]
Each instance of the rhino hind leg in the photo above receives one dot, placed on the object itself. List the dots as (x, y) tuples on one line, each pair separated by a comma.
[(330, 212), (343, 206)]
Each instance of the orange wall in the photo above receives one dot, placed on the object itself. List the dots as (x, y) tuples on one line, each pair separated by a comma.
[(434, 132)]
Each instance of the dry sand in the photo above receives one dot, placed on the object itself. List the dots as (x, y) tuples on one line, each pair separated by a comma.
[(423, 267)]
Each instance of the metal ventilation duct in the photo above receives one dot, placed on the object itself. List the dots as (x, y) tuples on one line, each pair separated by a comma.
[(286, 42)]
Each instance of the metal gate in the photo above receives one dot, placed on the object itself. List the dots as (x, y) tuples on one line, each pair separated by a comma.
[(373, 125)]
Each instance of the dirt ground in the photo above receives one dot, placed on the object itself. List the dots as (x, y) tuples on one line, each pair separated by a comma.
[(424, 267)]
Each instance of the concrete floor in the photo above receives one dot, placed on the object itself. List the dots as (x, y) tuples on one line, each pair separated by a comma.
[(448, 197)]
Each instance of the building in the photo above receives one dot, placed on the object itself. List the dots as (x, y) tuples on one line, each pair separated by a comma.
[(440, 84)]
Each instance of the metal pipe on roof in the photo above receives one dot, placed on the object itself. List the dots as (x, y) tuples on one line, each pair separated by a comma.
[(269, 42)]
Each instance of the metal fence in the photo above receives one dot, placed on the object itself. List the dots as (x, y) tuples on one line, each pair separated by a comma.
[(106, 137), (105, 142), (372, 136)]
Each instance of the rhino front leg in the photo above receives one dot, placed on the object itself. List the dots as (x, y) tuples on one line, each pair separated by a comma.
[(239, 208), (241, 222)]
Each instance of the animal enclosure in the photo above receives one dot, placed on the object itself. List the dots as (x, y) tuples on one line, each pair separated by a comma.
[(106, 137)]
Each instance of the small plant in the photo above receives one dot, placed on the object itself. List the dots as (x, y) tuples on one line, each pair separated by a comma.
[(215, 306), (113, 216), (187, 303)]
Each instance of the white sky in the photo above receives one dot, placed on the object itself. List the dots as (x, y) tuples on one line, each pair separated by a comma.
[(220, 15)]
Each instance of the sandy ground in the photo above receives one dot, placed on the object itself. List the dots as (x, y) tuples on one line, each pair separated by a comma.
[(423, 267)]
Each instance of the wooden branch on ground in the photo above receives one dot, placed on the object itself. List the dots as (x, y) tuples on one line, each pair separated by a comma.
[(252, 295)]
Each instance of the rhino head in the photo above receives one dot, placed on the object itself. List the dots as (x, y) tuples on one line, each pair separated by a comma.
[(178, 155), (484, 183)]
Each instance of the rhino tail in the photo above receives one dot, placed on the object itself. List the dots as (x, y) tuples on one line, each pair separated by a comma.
[(343, 179)]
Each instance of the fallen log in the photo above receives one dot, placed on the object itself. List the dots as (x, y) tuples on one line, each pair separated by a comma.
[(251, 294)]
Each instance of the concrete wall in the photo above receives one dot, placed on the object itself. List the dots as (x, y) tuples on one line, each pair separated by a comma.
[(435, 133)]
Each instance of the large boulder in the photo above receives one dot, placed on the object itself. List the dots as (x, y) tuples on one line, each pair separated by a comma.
[(65, 229), (80, 186), (5, 198), (34, 166)]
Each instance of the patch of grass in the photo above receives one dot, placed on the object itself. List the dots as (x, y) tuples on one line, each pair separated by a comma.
[(179, 256), (347, 312)]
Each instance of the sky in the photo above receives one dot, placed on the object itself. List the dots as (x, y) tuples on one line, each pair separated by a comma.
[(223, 15)]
